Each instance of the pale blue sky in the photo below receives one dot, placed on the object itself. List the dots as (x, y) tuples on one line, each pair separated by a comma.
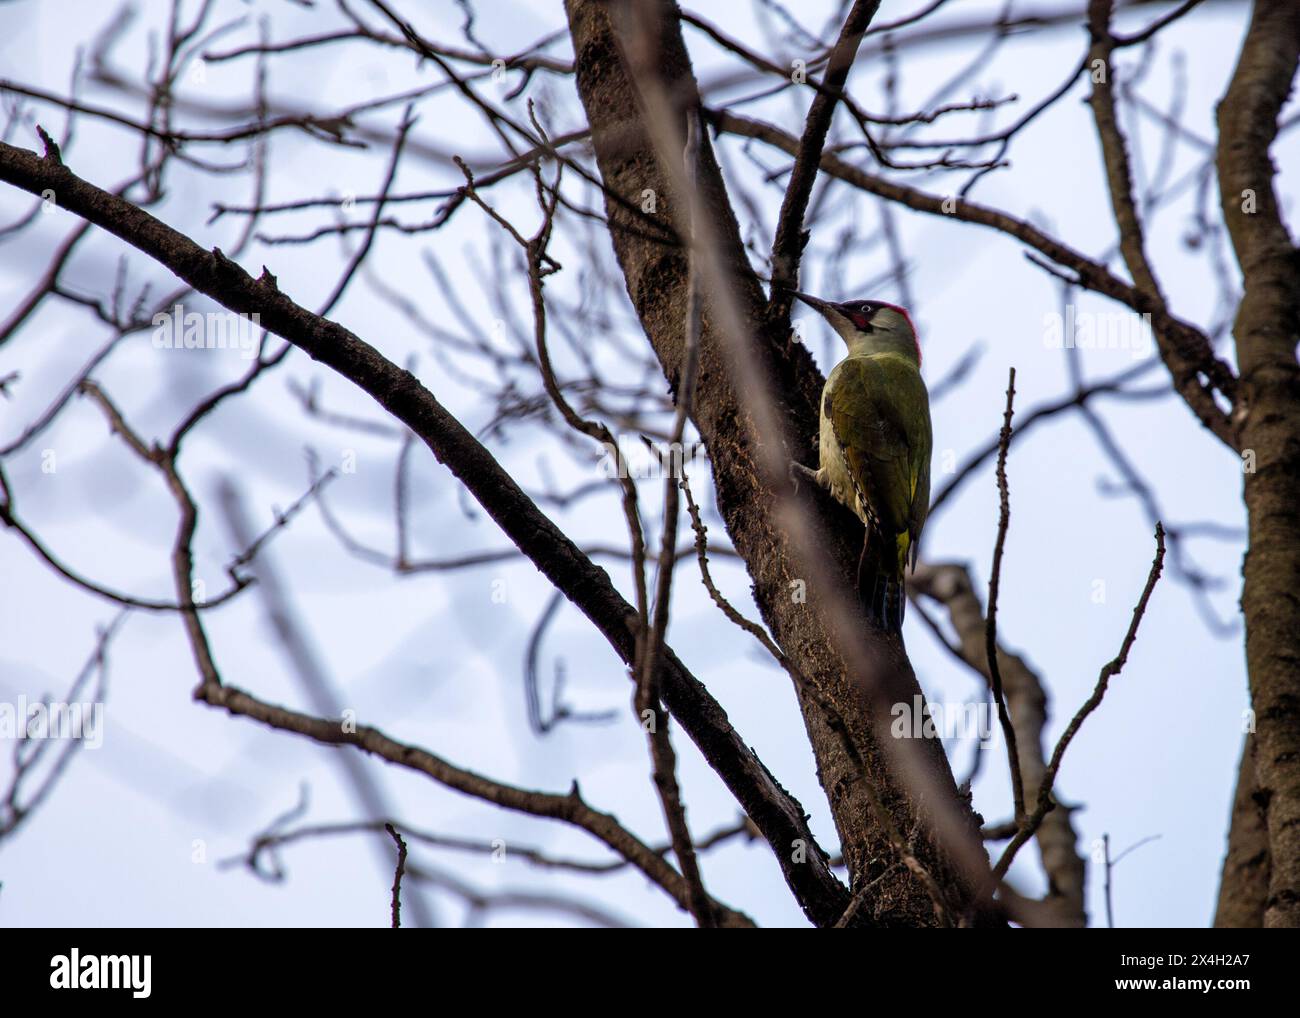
[(435, 661)]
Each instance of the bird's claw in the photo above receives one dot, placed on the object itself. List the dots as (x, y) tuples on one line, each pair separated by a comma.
[(797, 469)]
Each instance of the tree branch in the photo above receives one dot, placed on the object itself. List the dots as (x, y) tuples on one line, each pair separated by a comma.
[(787, 247)]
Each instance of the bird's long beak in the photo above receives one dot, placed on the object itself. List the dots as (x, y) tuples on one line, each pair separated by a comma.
[(816, 303)]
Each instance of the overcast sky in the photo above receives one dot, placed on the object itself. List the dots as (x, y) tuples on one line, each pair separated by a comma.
[(134, 832)]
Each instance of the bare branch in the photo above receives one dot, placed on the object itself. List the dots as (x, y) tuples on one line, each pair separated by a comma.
[(991, 626), (397, 875)]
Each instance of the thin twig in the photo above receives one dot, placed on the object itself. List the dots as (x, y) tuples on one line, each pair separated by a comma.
[(1110, 865), (787, 247), (397, 875), (991, 625), (1108, 671)]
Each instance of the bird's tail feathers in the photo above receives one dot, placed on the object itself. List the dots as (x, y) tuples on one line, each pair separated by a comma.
[(881, 589)]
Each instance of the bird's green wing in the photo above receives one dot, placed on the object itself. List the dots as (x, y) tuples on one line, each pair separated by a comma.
[(921, 497)]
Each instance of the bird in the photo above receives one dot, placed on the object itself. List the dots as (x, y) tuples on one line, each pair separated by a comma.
[(875, 440)]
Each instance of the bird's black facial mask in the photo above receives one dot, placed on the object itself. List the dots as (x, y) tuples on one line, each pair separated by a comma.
[(859, 312)]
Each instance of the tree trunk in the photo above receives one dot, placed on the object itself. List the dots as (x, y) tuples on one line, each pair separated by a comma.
[(1243, 886), (1268, 413), (655, 268)]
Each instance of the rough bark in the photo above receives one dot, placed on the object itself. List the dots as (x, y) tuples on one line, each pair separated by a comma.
[(1266, 329), (655, 272), (1243, 886)]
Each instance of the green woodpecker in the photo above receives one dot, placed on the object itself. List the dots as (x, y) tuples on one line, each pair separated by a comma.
[(875, 443)]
